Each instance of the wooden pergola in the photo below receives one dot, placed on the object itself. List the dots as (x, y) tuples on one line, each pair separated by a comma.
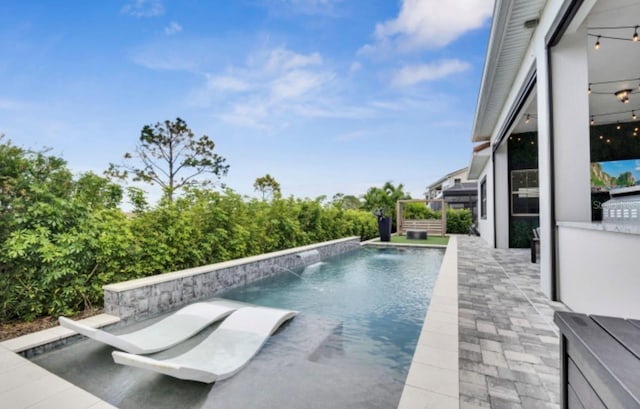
[(431, 226)]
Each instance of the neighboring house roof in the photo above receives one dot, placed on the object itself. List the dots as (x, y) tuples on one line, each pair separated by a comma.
[(462, 189), (450, 175), (508, 43)]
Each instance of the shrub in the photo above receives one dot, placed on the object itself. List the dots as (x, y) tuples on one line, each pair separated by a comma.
[(459, 221)]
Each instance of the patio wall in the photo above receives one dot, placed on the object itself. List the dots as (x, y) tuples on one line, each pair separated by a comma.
[(149, 296), (599, 265)]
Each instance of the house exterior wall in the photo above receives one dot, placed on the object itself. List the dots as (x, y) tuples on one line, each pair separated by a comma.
[(485, 226), (595, 265), (434, 191)]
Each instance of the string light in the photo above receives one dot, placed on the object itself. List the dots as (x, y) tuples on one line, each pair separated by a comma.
[(631, 112), (527, 119), (589, 90), (618, 125), (596, 32)]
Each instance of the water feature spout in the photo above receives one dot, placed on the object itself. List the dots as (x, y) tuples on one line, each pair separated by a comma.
[(309, 257)]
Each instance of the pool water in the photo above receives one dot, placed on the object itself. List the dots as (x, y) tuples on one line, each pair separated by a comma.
[(350, 346), (379, 295)]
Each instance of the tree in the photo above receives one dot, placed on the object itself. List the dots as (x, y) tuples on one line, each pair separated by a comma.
[(385, 198), (344, 202), (168, 151), (268, 186)]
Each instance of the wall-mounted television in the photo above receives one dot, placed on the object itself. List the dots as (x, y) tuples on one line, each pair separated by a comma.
[(614, 174)]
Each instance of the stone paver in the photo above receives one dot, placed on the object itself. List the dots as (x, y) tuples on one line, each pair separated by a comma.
[(507, 339)]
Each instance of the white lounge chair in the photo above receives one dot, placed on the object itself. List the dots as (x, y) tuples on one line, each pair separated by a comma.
[(165, 333), (223, 353)]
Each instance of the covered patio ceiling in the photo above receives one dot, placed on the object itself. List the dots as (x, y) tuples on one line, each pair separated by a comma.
[(613, 67)]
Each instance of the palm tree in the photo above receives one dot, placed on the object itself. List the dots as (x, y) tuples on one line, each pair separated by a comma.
[(385, 198)]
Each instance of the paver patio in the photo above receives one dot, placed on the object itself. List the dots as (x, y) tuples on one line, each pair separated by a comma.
[(508, 344)]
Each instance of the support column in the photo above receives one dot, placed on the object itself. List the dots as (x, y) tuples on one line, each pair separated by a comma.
[(547, 232), (502, 196), (572, 156)]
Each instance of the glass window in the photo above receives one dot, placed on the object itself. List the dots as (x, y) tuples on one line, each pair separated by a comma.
[(483, 198), (525, 192)]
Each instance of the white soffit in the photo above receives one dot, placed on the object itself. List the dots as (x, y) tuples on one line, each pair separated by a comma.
[(478, 162), (508, 43)]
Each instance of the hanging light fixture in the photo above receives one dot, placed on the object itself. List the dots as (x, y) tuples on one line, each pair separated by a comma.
[(618, 125), (623, 95), (527, 119), (635, 35), (597, 44), (593, 121), (633, 115)]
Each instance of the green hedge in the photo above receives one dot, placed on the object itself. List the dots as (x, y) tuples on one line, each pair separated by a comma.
[(51, 271), (63, 238), (459, 221)]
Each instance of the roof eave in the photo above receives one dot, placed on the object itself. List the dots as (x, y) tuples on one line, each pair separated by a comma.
[(501, 12)]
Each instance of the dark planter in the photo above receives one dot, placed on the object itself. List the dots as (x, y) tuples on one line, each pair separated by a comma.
[(384, 226)]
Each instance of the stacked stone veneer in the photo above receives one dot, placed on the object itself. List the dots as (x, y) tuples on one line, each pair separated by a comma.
[(149, 296)]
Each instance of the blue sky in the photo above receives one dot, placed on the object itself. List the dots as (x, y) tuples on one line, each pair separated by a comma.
[(327, 96)]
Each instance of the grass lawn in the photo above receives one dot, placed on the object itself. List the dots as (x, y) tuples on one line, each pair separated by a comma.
[(431, 240)]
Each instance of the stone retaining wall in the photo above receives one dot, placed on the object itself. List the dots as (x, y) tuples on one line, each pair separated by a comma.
[(149, 296)]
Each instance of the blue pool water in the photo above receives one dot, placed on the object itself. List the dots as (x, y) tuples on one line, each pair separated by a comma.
[(349, 347), (379, 295)]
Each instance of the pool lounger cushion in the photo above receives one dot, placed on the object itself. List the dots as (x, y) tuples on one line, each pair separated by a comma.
[(165, 333), (223, 353)]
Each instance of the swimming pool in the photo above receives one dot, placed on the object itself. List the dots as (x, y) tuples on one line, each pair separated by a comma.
[(350, 346)]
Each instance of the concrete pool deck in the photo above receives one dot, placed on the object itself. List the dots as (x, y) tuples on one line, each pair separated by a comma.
[(24, 384), (488, 341)]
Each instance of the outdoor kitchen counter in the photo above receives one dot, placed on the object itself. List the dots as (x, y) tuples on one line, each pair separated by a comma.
[(600, 226)]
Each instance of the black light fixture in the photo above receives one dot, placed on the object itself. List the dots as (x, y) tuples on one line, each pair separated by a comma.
[(633, 115), (597, 44), (635, 35), (623, 95)]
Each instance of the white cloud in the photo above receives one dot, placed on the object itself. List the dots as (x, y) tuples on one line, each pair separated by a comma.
[(172, 28), (355, 66), (332, 109), (271, 89), (429, 24), (295, 84), (413, 74), (283, 59), (143, 8), (227, 83)]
